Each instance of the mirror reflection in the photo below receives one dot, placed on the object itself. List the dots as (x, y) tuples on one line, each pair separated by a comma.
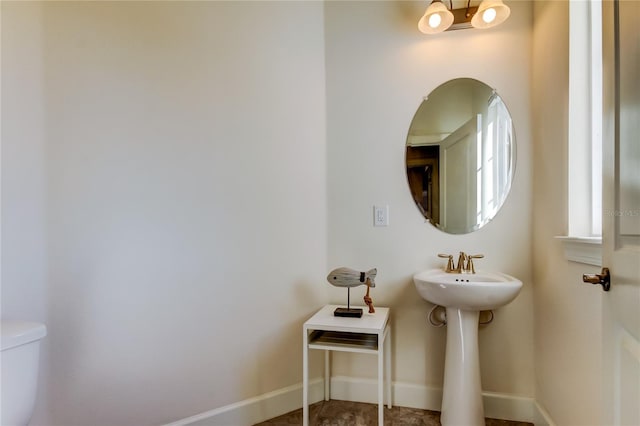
[(460, 155)]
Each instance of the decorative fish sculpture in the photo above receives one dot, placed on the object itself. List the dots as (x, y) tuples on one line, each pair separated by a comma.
[(347, 277)]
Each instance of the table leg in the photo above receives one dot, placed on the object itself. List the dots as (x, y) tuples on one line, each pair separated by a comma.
[(387, 356), (380, 380), (305, 377), (327, 376)]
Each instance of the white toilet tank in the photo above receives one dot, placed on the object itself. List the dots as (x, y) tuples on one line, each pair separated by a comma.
[(19, 369)]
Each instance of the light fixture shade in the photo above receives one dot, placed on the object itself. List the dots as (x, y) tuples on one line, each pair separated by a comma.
[(490, 13), (436, 18)]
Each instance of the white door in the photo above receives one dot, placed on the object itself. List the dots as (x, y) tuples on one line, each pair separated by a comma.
[(621, 212), (458, 178)]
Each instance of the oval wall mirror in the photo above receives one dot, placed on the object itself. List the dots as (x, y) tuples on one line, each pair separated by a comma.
[(460, 155)]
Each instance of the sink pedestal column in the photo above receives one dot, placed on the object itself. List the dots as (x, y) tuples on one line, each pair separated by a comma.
[(462, 393)]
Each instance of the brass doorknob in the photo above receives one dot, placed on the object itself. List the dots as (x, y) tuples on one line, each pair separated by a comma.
[(603, 278)]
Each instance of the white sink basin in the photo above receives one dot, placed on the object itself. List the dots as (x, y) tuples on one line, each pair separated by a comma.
[(473, 292)]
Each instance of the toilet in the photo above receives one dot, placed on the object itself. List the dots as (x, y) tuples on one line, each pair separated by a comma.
[(19, 370)]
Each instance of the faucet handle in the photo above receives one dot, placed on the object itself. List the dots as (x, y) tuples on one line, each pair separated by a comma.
[(470, 267), (449, 263)]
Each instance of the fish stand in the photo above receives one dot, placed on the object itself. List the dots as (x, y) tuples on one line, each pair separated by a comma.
[(348, 312)]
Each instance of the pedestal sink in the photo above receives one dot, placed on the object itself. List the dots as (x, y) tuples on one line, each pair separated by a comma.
[(464, 295)]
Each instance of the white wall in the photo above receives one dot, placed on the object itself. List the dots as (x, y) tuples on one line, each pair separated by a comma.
[(23, 217), (378, 69), (568, 315), (171, 202), (23, 170), (176, 152)]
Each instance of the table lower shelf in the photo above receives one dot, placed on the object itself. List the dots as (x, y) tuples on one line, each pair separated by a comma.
[(341, 340)]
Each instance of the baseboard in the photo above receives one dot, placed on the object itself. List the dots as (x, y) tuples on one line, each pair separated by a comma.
[(496, 405), (257, 409), (402, 394), (273, 404), (541, 417)]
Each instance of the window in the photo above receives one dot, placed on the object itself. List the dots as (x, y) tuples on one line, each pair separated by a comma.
[(585, 132), (585, 118), (493, 159)]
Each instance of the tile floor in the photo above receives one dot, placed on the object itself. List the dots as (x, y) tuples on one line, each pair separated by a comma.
[(347, 413)]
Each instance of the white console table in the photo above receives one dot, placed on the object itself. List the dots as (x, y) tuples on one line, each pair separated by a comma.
[(369, 334)]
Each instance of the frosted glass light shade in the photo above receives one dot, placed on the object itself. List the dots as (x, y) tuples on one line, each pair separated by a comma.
[(490, 13), (436, 18)]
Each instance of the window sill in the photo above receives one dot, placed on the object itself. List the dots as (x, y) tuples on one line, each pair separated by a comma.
[(583, 249)]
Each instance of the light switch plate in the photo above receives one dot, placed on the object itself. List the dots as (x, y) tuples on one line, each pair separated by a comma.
[(381, 215)]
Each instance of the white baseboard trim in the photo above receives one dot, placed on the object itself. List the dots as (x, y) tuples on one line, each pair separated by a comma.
[(281, 401), (402, 394), (257, 409), (542, 418), (496, 405)]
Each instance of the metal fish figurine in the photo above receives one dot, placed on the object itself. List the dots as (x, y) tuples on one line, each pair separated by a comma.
[(347, 277)]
